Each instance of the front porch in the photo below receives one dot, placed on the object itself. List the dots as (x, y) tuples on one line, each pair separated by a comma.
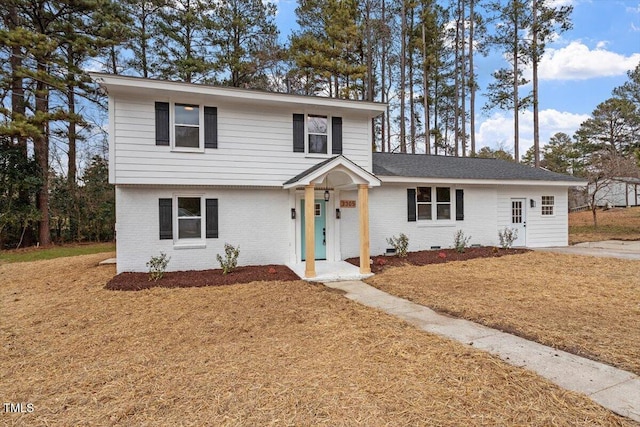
[(328, 271), (315, 194)]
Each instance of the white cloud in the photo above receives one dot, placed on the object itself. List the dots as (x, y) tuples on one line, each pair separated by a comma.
[(577, 62), (497, 130)]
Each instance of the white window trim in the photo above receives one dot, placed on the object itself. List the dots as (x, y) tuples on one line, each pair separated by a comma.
[(552, 206), (434, 206), (189, 243), (329, 134), (172, 128)]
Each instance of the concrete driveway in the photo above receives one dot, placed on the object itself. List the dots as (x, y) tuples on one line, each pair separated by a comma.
[(608, 248)]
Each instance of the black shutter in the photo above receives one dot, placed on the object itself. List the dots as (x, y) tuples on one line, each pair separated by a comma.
[(298, 133), (162, 123), (336, 135), (166, 219), (459, 205), (210, 127), (411, 204), (212, 218)]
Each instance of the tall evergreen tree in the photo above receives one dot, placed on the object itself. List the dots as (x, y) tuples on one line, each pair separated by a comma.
[(512, 21), (547, 21), (246, 37)]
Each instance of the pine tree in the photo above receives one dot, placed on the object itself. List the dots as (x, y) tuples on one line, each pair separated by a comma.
[(246, 38)]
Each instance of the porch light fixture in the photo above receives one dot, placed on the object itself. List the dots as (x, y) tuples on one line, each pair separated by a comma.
[(293, 213), (326, 195), (337, 213), (532, 203)]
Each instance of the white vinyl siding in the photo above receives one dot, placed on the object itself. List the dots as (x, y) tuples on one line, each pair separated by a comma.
[(254, 147)]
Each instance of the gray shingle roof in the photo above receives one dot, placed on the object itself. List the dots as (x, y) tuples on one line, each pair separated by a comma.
[(429, 166)]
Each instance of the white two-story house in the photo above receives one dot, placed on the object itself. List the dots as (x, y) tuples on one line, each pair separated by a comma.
[(293, 180)]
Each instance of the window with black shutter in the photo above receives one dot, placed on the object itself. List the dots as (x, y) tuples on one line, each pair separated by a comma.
[(212, 218), (298, 133), (210, 127), (166, 218), (162, 123), (336, 135), (459, 205), (411, 204)]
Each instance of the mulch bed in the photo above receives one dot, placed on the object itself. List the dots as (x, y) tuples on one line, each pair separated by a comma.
[(189, 279), (257, 273), (437, 256)]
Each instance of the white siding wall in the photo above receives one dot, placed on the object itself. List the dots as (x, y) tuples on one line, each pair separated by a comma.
[(614, 194), (541, 230), (257, 220), (388, 217), (255, 146)]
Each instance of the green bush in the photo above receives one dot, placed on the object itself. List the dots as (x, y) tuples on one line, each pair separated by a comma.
[(507, 237), (400, 244), (230, 260), (460, 242), (157, 266)]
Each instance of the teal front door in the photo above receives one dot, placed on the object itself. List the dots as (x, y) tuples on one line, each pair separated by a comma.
[(320, 229)]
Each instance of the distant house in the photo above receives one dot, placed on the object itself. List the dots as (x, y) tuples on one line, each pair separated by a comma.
[(292, 180), (619, 192)]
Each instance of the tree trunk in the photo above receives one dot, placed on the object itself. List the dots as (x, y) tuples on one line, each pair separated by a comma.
[(472, 80), (41, 152), (516, 103), (463, 85), (383, 82), (71, 167), (425, 94), (456, 96), (536, 123), (403, 60)]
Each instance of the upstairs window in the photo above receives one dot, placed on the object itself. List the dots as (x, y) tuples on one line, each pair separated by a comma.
[(317, 131), (187, 125), (548, 203), (317, 135)]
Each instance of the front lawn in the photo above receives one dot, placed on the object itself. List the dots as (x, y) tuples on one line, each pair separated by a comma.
[(263, 353), (51, 252), (613, 224), (584, 305)]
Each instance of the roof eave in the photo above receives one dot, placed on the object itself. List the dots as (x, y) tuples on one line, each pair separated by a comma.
[(526, 182)]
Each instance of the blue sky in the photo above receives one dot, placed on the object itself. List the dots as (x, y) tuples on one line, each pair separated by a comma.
[(578, 71)]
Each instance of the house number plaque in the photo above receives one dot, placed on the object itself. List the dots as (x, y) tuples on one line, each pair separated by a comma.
[(347, 203)]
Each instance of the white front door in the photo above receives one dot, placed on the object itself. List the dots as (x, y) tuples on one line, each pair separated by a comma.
[(519, 220)]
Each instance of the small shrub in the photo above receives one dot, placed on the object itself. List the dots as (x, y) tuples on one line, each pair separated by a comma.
[(272, 270), (230, 261), (460, 242), (157, 266), (507, 237), (381, 262), (442, 255), (400, 244)]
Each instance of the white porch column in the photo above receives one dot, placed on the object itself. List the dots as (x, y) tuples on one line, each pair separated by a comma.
[(363, 209), (309, 231)]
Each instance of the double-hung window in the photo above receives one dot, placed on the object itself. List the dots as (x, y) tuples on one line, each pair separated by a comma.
[(443, 202), (186, 126), (317, 132), (423, 199), (189, 218), (431, 203), (317, 135), (547, 205)]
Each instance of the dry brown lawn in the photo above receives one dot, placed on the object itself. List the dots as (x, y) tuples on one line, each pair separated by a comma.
[(618, 223), (585, 305), (265, 353)]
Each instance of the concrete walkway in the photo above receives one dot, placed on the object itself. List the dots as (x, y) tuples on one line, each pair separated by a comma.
[(607, 248), (612, 388)]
